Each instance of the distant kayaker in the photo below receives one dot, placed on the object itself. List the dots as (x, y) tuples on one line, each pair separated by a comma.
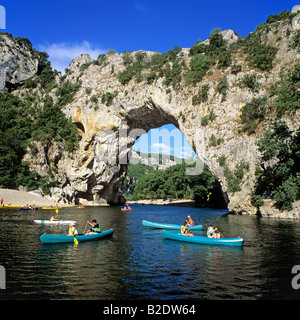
[(72, 230), (54, 218), (126, 208), (2, 202), (185, 231), (190, 221), (212, 232), (95, 227)]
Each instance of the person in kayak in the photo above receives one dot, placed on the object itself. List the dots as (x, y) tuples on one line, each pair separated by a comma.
[(54, 218), (185, 231), (190, 221), (72, 230), (95, 227), (212, 232), (127, 208)]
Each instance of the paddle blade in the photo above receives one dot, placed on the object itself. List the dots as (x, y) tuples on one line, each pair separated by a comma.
[(75, 240)]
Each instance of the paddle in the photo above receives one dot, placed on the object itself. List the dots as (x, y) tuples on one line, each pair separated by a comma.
[(75, 240), (218, 231), (85, 227), (221, 235)]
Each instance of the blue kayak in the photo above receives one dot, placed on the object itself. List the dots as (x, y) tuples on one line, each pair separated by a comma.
[(237, 242), (169, 226), (54, 238)]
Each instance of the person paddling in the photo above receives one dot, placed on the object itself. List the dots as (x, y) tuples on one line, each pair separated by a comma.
[(190, 221), (72, 230), (184, 229), (54, 218), (127, 208), (212, 232), (95, 227)]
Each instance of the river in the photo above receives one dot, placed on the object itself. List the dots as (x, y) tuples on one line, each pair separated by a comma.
[(137, 263)]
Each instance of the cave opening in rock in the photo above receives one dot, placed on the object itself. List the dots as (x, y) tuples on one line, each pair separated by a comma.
[(158, 169), (80, 126)]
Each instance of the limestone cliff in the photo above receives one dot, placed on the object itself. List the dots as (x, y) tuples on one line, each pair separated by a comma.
[(108, 114), (17, 62)]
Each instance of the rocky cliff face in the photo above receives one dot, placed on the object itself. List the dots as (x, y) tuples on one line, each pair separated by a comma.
[(16, 61), (111, 116)]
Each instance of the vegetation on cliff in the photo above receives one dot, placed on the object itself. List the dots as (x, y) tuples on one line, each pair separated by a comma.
[(278, 176), (21, 124), (34, 118)]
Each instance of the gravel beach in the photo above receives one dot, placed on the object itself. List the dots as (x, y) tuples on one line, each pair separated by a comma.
[(16, 197)]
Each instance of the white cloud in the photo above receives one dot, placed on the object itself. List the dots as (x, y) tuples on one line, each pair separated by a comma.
[(160, 148), (61, 54)]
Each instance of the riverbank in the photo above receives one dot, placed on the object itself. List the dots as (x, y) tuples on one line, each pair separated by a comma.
[(22, 198)]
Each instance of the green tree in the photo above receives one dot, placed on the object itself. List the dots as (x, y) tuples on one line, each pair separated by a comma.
[(262, 55), (288, 93), (175, 184), (199, 66), (280, 146)]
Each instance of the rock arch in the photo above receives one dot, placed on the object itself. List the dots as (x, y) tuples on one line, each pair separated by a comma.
[(99, 169)]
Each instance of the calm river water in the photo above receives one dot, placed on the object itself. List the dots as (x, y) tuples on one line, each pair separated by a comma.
[(137, 263)]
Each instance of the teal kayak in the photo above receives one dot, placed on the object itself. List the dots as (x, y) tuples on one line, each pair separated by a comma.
[(169, 226), (237, 242), (54, 238)]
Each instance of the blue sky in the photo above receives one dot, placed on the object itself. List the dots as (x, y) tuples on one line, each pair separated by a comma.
[(67, 28), (165, 140)]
